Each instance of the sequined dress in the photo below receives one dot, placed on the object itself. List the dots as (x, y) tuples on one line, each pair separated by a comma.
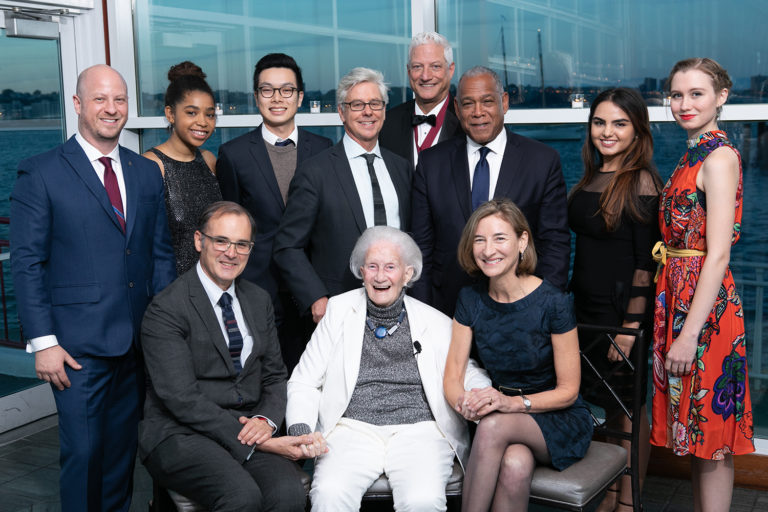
[(189, 188), (707, 413)]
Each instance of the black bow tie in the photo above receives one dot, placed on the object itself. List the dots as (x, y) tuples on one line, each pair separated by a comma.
[(417, 119)]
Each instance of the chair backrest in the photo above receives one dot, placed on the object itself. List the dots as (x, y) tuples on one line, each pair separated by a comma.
[(637, 366)]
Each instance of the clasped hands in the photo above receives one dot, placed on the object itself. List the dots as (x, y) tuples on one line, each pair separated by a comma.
[(259, 432), (479, 402)]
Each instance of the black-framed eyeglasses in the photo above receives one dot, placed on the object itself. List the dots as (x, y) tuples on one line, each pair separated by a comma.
[(222, 244), (267, 91), (357, 105)]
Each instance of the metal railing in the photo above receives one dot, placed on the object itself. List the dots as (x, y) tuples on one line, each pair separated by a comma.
[(5, 255), (751, 283)]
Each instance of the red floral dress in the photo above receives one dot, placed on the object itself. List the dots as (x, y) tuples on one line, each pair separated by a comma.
[(707, 413)]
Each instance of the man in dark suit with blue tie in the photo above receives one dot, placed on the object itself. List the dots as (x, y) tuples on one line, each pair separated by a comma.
[(89, 249), (255, 169), (453, 178)]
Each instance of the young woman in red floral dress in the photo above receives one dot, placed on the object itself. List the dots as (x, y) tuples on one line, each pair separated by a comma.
[(701, 403)]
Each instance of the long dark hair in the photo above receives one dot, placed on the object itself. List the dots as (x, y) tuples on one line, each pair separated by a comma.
[(620, 196)]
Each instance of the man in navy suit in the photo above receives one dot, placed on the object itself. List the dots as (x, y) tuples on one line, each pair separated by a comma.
[(255, 170), (89, 249), (338, 194), (456, 176), (430, 117)]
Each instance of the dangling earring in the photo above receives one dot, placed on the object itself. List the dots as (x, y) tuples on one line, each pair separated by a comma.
[(521, 258)]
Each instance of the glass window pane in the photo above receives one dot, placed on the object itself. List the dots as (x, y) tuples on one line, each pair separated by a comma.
[(545, 51), (30, 123), (226, 39)]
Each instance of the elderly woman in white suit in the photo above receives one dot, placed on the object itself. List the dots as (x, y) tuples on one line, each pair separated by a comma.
[(370, 380)]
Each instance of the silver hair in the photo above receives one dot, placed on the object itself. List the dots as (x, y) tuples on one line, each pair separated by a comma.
[(357, 76), (423, 38), (410, 254), (482, 70)]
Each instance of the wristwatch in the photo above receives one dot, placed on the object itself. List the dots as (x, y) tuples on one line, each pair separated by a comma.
[(526, 403)]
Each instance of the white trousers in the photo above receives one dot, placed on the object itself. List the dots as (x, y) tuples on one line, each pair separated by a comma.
[(417, 459)]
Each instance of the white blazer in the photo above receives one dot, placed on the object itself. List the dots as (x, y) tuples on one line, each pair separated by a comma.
[(322, 383)]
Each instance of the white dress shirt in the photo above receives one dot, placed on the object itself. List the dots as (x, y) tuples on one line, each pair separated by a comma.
[(494, 158), (214, 294), (423, 129), (93, 155), (359, 166), (271, 138)]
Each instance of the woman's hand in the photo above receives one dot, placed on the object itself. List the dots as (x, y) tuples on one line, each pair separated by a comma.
[(625, 343), (681, 355), (481, 402)]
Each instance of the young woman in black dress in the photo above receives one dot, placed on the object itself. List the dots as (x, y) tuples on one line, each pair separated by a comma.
[(188, 171), (524, 331), (613, 210)]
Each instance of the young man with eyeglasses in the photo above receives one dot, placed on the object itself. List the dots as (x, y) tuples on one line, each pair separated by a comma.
[(338, 194), (217, 382), (255, 170), (430, 117)]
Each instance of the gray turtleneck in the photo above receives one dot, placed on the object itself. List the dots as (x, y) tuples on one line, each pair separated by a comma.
[(388, 389)]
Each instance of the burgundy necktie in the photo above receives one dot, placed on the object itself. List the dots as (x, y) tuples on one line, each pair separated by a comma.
[(113, 190)]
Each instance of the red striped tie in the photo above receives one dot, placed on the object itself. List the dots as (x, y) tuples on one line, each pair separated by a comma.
[(113, 190)]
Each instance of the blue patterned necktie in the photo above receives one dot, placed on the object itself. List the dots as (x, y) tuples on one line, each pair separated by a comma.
[(286, 142), (233, 331), (481, 181)]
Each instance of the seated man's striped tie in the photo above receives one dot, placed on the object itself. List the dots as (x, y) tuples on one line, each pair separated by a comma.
[(233, 331)]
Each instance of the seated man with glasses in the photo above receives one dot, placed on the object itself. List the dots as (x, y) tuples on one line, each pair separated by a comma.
[(338, 194), (255, 169), (217, 382)]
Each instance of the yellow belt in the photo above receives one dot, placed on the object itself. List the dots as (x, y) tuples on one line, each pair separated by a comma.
[(661, 252)]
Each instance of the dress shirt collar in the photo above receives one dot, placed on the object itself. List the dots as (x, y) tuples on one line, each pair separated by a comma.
[(94, 154), (353, 149), (417, 110), (271, 138), (497, 145), (212, 289)]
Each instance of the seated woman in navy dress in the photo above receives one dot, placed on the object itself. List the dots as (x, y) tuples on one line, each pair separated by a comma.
[(524, 332)]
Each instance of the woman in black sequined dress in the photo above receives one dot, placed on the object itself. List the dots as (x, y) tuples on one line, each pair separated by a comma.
[(188, 171)]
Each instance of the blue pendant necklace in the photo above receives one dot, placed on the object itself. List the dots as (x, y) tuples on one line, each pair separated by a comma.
[(381, 332)]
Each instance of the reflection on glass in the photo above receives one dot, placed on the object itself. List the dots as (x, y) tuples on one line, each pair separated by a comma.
[(546, 51), (226, 39)]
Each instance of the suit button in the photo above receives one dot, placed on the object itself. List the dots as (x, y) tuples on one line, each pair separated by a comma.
[(130, 285), (239, 399), (128, 251)]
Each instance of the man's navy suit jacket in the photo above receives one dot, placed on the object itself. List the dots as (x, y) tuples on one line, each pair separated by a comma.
[(76, 274)]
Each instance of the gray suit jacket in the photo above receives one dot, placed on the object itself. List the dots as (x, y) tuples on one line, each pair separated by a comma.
[(193, 386), (324, 218)]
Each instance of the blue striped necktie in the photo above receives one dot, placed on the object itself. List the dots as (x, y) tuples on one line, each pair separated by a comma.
[(233, 331)]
